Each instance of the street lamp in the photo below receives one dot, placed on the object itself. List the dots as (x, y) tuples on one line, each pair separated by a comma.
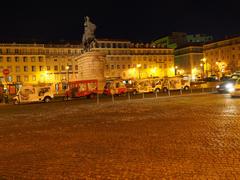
[(67, 68), (176, 67), (139, 66), (202, 68)]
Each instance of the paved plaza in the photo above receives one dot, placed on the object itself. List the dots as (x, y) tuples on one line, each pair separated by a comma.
[(188, 137)]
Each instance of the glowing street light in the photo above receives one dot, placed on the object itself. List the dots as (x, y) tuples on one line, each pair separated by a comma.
[(139, 66), (203, 62), (176, 67), (202, 68), (67, 68)]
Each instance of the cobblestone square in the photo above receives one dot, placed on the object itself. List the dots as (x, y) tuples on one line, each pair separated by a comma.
[(188, 137)]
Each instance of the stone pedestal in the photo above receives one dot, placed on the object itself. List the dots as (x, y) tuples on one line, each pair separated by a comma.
[(91, 66)]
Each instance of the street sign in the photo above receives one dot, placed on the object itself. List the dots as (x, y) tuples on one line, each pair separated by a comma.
[(5, 72)]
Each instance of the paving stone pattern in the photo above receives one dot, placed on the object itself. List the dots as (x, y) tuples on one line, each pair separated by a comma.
[(195, 137)]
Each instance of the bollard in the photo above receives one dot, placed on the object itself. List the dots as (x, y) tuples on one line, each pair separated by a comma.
[(180, 91), (156, 94), (143, 96), (202, 89), (169, 93), (113, 98), (191, 91), (129, 98)]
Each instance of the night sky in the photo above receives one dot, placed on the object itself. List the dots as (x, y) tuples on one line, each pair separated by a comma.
[(136, 20)]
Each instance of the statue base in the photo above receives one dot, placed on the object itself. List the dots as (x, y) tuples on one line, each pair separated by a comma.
[(91, 67)]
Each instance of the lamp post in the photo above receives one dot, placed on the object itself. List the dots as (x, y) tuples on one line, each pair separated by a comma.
[(139, 66), (203, 62), (202, 69), (176, 67), (67, 68)]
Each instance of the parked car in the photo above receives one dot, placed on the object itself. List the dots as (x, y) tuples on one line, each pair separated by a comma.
[(225, 78), (212, 78), (226, 86)]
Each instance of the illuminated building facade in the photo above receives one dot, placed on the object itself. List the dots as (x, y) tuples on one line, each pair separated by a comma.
[(181, 39), (128, 60), (38, 63), (189, 60), (51, 63), (222, 57)]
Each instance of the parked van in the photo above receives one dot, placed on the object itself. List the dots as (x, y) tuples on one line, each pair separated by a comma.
[(27, 94), (172, 83), (115, 87), (82, 88)]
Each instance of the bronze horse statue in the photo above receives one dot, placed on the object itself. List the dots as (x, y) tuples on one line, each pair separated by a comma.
[(88, 37)]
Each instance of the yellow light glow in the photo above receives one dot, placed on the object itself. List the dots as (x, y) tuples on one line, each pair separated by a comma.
[(139, 65), (153, 70), (194, 73), (181, 71), (132, 72)]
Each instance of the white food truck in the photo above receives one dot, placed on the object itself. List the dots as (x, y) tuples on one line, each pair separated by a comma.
[(27, 94)]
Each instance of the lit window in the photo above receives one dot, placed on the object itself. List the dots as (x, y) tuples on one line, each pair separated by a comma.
[(41, 68), (26, 78), (34, 77), (40, 59), (17, 68), (33, 68), (16, 59), (48, 68), (18, 78), (33, 59), (24, 59), (76, 67), (25, 68)]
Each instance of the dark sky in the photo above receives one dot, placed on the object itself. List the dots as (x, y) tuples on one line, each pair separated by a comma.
[(136, 20)]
